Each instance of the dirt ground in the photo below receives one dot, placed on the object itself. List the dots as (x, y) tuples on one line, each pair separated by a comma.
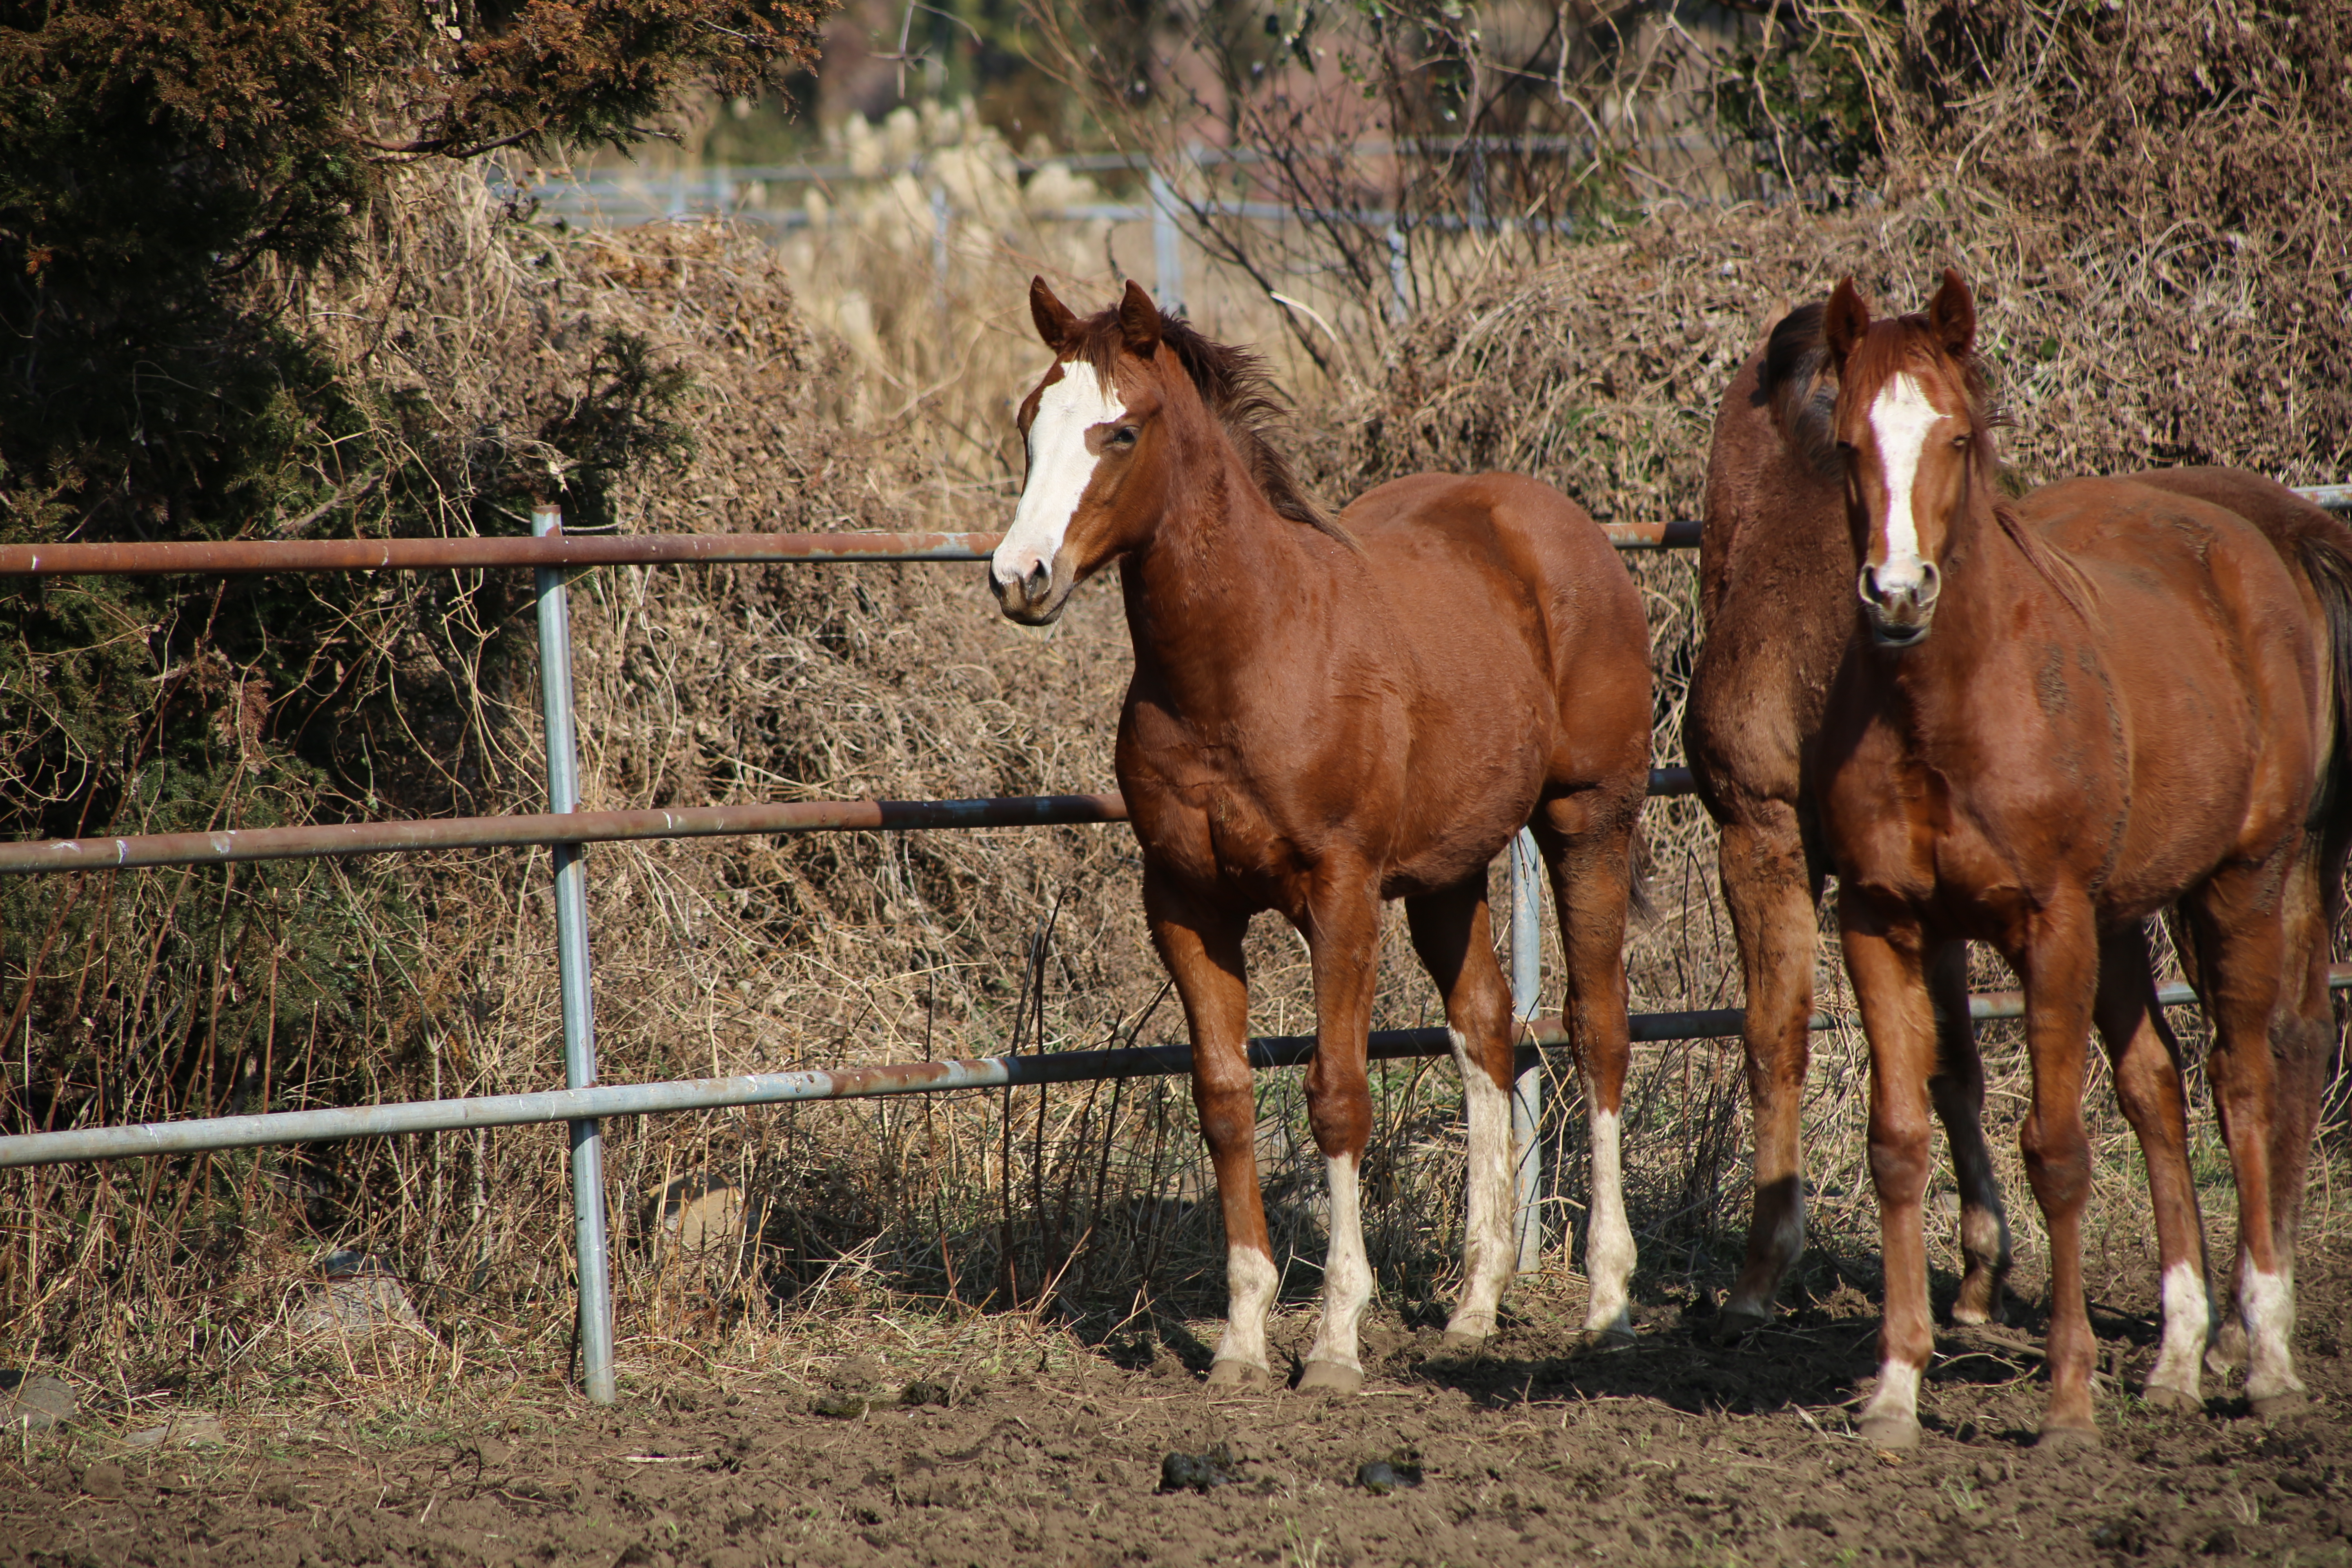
[(1671, 1451)]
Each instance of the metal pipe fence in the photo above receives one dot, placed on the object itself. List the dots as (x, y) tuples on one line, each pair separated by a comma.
[(583, 1103)]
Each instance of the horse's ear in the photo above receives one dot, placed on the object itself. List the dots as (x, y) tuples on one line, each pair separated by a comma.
[(1953, 315), (1056, 323), (1845, 321), (1139, 321)]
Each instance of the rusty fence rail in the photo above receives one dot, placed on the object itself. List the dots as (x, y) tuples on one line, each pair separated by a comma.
[(583, 1102)]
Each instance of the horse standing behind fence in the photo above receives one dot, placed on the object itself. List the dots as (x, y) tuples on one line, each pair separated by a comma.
[(2069, 715), (1327, 714), (1777, 570)]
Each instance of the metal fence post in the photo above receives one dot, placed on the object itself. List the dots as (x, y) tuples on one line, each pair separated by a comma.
[(591, 1264), (1167, 257), (1526, 1095)]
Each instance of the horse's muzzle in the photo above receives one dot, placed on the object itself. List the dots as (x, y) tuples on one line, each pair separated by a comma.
[(1899, 615), (1034, 599)]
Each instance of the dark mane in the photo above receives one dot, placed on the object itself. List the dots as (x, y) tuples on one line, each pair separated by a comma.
[(1234, 383), (1797, 382)]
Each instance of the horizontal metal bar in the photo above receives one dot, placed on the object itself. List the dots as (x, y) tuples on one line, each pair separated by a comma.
[(253, 555), (309, 842), (554, 828), (245, 555), (840, 1083)]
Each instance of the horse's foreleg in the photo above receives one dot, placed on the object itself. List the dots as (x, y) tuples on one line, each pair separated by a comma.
[(1343, 938), (1202, 951), (2240, 937), (2060, 965), (1453, 933), (2147, 1063), (1591, 877), (1771, 895), (1958, 1090), (1883, 957)]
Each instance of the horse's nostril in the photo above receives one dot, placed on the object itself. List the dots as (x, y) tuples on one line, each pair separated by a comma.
[(1040, 578)]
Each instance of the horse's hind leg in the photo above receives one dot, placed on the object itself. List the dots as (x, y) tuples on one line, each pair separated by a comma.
[(1958, 1090), (2240, 941), (1587, 844), (2303, 1037), (1202, 947), (1453, 934), (1771, 893), (2147, 1063), (1343, 938)]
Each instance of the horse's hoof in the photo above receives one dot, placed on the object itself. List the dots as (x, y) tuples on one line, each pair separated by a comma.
[(1608, 1337), (2068, 1438), (1460, 1341), (2280, 1407), (1891, 1429), (1239, 1376), (2228, 1350), (1734, 1324), (1976, 1308), (2177, 1401), (1330, 1377)]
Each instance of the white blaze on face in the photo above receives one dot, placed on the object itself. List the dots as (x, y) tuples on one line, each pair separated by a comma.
[(1899, 422), (1060, 465)]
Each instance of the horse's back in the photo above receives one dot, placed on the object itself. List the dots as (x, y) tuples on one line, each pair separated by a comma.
[(2201, 631), (1474, 569), (1518, 533)]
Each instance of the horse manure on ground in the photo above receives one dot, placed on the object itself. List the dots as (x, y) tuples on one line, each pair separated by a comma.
[(1381, 1476), (840, 1406), (1199, 1472)]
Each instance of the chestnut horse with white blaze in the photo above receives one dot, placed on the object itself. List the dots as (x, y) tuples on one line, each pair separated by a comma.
[(2065, 716), (1776, 602), (1327, 713)]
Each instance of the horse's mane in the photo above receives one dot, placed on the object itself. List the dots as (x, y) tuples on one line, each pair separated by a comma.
[(1796, 380), (1233, 381), (1799, 379)]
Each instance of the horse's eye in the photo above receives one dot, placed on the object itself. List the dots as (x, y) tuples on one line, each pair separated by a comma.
[(1124, 436), (1846, 447), (1960, 442)]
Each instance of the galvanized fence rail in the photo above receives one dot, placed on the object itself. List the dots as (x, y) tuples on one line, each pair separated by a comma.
[(583, 1103)]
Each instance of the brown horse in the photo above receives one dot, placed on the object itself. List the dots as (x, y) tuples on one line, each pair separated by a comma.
[(2068, 716), (1776, 598), (2317, 549), (1777, 570), (1325, 714)]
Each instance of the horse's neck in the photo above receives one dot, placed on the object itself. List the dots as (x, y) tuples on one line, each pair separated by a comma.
[(1986, 580), (1218, 575)]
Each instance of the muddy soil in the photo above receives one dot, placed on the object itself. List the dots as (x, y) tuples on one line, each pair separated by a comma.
[(1671, 1451)]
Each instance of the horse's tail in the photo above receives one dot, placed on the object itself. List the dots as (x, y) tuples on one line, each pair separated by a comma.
[(2325, 554), (1640, 908)]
